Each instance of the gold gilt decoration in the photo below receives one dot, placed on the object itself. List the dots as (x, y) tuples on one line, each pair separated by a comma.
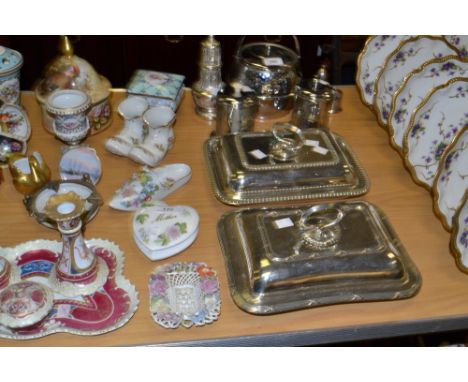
[(28, 173), (63, 207)]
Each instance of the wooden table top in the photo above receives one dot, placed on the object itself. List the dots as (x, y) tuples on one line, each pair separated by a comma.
[(441, 303)]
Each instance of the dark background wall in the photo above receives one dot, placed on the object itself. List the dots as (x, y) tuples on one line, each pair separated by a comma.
[(116, 57)]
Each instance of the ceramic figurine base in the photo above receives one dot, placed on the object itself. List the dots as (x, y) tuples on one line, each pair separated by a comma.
[(107, 309)]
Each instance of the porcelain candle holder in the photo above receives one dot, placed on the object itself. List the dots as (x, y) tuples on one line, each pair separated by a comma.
[(68, 109), (159, 137), (78, 270), (131, 110), (148, 185), (11, 62)]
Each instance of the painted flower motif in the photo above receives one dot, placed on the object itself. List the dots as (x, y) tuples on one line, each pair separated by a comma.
[(464, 238), (209, 285), (461, 92), (141, 218), (369, 88), (204, 271), (379, 44), (172, 232), (158, 285), (417, 128), (439, 150)]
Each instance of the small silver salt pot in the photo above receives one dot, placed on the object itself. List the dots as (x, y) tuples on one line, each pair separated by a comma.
[(204, 91)]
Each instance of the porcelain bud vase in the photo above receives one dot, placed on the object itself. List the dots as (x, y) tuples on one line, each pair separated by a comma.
[(78, 271)]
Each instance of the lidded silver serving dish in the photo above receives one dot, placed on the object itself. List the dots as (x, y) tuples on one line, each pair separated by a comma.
[(271, 70), (282, 165), (283, 259)]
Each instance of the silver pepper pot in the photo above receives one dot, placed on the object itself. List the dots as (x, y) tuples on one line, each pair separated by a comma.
[(205, 90)]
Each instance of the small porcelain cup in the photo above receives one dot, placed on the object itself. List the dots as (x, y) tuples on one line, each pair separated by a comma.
[(69, 109), (159, 116), (159, 136)]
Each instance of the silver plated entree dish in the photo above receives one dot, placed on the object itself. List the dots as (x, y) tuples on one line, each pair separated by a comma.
[(283, 165), (289, 258)]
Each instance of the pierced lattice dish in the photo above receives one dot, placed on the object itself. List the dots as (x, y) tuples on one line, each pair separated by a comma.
[(184, 293)]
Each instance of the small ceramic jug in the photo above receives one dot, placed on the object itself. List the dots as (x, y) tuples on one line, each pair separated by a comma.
[(69, 109)]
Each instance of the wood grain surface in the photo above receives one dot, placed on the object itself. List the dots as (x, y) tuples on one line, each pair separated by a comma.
[(408, 207)]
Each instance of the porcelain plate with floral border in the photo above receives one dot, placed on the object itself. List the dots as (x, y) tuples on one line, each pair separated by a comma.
[(434, 125), (415, 89), (451, 181), (370, 62), (459, 239), (408, 56), (460, 43)]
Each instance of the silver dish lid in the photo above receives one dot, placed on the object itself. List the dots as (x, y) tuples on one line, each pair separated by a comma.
[(283, 259), (258, 54), (282, 165)]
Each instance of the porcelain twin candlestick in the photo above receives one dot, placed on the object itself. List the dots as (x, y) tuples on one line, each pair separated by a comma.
[(147, 133), (78, 270)]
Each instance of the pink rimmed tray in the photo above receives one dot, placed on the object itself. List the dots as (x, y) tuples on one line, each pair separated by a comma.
[(105, 310)]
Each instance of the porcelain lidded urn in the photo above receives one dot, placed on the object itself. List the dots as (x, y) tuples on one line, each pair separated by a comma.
[(68, 109), (68, 71), (11, 62), (78, 271)]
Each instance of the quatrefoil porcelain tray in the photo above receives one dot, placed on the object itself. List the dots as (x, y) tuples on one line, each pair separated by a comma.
[(105, 310)]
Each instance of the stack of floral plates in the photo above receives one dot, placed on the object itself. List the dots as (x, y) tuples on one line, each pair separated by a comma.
[(418, 88)]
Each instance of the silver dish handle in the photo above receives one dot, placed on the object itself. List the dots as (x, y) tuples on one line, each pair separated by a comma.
[(326, 231), (297, 47)]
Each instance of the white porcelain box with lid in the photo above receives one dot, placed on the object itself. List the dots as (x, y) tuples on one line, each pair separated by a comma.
[(163, 231), (158, 88)]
